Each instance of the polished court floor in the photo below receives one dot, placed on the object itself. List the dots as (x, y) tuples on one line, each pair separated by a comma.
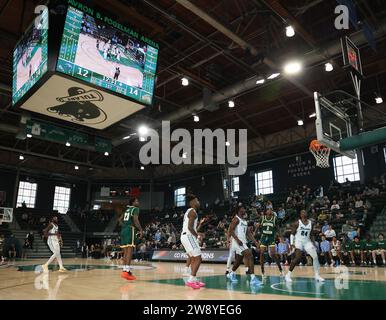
[(89, 279)]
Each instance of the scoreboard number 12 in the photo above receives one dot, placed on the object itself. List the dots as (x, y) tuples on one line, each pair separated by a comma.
[(82, 72)]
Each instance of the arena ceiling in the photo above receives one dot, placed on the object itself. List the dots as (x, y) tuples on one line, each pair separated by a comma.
[(221, 46)]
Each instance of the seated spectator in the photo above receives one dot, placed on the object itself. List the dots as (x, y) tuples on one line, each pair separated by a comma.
[(283, 250), (167, 216), (357, 251), (281, 215), (369, 247), (24, 216), (358, 203), (325, 227), (322, 216), (380, 249), (175, 215), (330, 233), (335, 206), (335, 251), (325, 252)]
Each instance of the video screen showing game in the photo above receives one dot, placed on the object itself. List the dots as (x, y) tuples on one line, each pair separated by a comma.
[(30, 58), (107, 57)]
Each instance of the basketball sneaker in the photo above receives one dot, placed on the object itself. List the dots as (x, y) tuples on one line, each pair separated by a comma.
[(201, 284), (63, 270), (255, 282), (127, 275), (45, 268), (287, 277), (232, 277), (192, 284), (318, 278)]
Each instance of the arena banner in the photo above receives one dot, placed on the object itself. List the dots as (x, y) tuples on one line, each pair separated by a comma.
[(179, 255)]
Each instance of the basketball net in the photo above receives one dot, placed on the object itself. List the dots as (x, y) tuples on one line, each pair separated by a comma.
[(321, 154)]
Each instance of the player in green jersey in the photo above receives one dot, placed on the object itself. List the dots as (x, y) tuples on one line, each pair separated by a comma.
[(356, 251), (130, 222), (369, 247), (380, 249), (269, 227), (346, 249)]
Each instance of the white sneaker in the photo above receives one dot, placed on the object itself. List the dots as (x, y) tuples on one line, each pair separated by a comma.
[(45, 268), (287, 278), (318, 278)]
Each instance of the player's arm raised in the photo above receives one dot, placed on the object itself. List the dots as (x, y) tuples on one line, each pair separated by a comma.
[(232, 228), (192, 216)]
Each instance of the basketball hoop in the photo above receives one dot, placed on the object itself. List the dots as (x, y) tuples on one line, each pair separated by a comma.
[(321, 154)]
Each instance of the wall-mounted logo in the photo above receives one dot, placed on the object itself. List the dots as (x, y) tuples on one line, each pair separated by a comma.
[(79, 106)]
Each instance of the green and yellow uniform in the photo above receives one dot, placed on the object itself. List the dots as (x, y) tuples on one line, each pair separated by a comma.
[(268, 226), (128, 238), (381, 244)]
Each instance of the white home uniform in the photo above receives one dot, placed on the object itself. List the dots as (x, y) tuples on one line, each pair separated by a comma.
[(302, 237), (190, 242), (241, 233), (54, 245)]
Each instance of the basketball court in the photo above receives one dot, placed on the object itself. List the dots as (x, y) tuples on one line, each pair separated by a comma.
[(89, 57), (89, 279)]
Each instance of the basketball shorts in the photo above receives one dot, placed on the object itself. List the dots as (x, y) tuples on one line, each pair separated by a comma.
[(239, 249), (191, 245), (267, 240), (53, 244), (128, 237), (306, 246)]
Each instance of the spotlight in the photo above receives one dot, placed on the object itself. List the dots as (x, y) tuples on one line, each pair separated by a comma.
[(300, 122), (329, 67), (196, 118), (126, 138), (312, 115), (289, 31), (29, 136), (143, 130), (185, 82), (293, 67), (106, 154), (184, 155), (142, 168), (231, 104), (273, 76), (76, 168), (68, 144), (228, 144), (21, 157), (378, 100), (142, 139), (261, 81)]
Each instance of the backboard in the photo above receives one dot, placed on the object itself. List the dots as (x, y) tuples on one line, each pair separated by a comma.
[(332, 123)]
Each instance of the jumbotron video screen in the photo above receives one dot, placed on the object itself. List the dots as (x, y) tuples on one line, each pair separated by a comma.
[(104, 56), (30, 58)]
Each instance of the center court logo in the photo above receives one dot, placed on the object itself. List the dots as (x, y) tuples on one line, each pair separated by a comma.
[(198, 149)]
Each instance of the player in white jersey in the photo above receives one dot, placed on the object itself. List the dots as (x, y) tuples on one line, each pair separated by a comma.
[(190, 241), (54, 241), (239, 231), (300, 239)]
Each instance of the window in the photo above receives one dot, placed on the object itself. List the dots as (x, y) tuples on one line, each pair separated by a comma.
[(27, 194), (264, 182), (62, 199), (384, 153), (346, 168), (236, 184), (179, 197)]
